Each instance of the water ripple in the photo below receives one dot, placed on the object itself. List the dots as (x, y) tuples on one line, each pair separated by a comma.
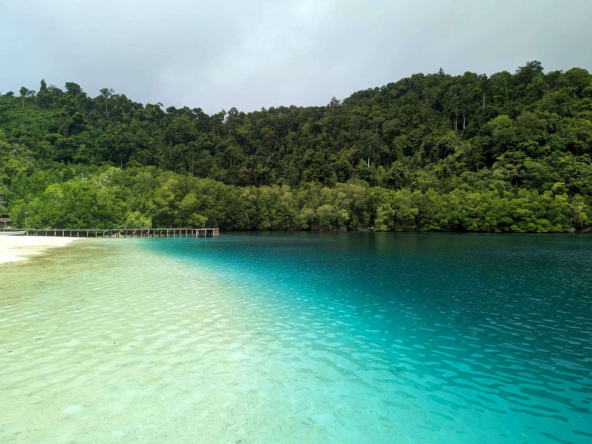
[(303, 338)]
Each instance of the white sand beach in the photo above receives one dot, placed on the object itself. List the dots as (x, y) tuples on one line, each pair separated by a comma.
[(19, 248)]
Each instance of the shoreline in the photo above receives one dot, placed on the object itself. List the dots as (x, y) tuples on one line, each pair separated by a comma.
[(21, 248)]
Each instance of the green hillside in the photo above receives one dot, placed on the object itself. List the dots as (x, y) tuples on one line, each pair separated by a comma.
[(504, 153)]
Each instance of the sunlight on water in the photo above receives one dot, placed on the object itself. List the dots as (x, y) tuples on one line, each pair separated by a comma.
[(300, 338)]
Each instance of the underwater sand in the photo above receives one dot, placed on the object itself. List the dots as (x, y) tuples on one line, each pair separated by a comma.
[(299, 338)]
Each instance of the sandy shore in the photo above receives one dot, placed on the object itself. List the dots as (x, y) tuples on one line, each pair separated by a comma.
[(19, 248)]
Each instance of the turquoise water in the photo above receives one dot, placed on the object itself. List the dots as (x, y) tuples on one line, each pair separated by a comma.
[(300, 338)]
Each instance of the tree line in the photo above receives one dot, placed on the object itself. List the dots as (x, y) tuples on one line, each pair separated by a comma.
[(504, 153)]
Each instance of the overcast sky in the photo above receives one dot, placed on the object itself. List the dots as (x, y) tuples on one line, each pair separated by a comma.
[(253, 54)]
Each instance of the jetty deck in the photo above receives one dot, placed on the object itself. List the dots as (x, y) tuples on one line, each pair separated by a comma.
[(125, 232)]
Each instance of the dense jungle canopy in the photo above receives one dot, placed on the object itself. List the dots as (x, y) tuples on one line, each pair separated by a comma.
[(504, 153)]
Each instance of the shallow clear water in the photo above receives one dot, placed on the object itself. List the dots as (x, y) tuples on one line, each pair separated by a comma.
[(300, 338)]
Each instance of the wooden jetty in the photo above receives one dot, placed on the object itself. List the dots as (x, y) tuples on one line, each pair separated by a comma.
[(126, 232)]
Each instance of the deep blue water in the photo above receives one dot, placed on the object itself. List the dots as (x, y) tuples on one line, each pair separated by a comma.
[(427, 338)]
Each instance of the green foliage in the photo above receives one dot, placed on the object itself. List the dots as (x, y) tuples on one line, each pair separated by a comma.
[(505, 153), (143, 197)]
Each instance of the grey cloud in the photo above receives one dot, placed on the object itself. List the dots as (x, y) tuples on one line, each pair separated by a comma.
[(250, 55)]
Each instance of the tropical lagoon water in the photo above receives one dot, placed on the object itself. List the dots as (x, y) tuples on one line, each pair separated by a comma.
[(300, 338)]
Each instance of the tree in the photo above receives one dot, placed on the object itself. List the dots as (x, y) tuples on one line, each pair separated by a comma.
[(43, 96), (106, 94), (25, 93), (73, 88)]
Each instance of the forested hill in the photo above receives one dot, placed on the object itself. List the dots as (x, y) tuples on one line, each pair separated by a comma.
[(509, 152)]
